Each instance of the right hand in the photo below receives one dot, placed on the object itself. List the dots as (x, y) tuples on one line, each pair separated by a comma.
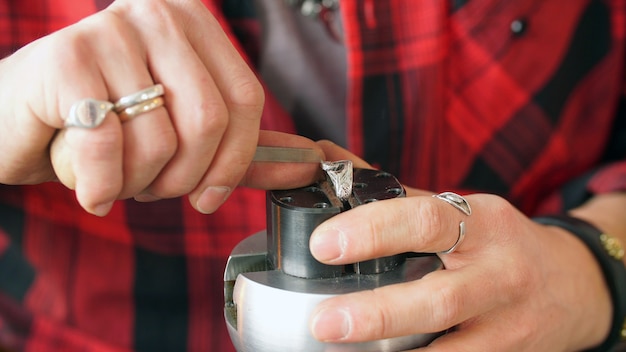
[(200, 143)]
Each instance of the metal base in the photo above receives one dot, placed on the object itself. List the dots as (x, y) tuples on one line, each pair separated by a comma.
[(268, 310)]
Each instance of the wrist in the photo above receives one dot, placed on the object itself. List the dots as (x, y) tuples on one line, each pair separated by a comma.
[(609, 255)]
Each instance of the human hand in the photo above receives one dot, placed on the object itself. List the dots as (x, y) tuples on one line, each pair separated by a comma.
[(200, 143), (511, 285)]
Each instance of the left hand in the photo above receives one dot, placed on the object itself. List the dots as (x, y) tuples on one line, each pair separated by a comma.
[(511, 285)]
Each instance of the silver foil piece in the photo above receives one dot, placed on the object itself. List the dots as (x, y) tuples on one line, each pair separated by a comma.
[(340, 174)]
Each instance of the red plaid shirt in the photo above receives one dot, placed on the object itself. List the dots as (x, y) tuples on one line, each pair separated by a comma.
[(446, 95)]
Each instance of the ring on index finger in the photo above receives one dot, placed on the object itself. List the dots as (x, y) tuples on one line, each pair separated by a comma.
[(140, 102), (461, 204)]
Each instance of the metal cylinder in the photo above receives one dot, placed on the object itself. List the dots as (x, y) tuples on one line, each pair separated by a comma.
[(292, 217)]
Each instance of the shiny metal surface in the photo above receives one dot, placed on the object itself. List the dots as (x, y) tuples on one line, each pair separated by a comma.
[(285, 155), (269, 311), (292, 217), (340, 175)]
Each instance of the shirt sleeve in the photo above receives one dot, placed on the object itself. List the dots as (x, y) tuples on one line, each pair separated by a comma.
[(609, 175)]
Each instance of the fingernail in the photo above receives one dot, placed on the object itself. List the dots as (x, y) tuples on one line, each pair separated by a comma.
[(331, 324), (102, 209), (327, 244), (212, 198)]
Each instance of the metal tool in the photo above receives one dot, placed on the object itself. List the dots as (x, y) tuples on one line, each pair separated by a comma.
[(272, 283), (286, 155)]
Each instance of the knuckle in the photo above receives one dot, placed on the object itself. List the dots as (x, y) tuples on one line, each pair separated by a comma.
[(247, 94), (163, 150), (159, 17), (95, 159), (525, 330), (79, 41), (519, 283), (520, 280), (445, 306), (427, 223), (159, 9), (75, 49), (373, 229), (504, 215), (98, 146), (501, 207), (380, 323), (215, 118), (117, 27), (497, 202), (385, 319), (373, 321)]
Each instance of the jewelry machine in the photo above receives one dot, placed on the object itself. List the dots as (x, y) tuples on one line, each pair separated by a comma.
[(272, 283)]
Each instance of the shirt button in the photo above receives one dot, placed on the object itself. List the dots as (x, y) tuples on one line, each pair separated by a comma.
[(518, 26)]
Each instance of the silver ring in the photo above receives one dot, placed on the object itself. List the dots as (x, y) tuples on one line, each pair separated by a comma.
[(461, 204), (458, 240), (140, 108), (138, 98), (88, 113), (456, 201)]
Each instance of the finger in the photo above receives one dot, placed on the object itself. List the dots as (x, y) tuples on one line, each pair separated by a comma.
[(149, 139), (215, 105), (244, 98), (415, 224), (267, 175), (89, 162), (95, 155), (195, 108), (29, 120), (435, 303)]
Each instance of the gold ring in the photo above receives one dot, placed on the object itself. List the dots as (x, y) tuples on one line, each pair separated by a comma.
[(138, 109)]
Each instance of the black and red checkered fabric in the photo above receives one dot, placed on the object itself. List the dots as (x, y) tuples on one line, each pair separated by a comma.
[(523, 98)]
